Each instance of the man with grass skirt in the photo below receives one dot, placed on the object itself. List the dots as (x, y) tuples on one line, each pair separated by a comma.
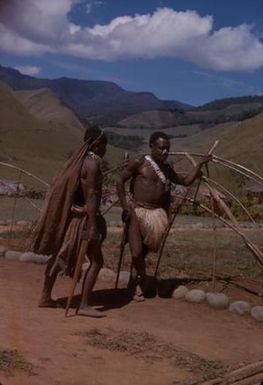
[(71, 214), (147, 215)]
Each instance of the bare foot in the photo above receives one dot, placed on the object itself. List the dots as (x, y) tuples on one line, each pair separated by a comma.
[(138, 298), (89, 311), (49, 303)]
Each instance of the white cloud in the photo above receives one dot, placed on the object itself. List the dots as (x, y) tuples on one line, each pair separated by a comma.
[(28, 70), (36, 27), (13, 43)]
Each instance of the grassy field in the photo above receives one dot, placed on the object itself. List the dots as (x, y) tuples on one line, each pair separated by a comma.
[(42, 147), (189, 251), (189, 247), (23, 209)]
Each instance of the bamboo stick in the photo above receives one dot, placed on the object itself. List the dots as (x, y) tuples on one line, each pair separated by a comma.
[(24, 172), (110, 207), (237, 170), (251, 246), (14, 207), (213, 191), (220, 202), (246, 371), (240, 166), (230, 164), (233, 197), (177, 211), (214, 248), (251, 374)]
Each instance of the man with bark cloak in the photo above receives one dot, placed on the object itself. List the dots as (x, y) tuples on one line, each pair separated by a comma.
[(71, 214), (147, 216)]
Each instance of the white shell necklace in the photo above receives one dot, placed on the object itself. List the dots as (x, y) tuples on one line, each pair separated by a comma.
[(156, 168), (92, 155)]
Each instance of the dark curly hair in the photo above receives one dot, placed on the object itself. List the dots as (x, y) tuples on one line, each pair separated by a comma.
[(93, 133), (156, 135)]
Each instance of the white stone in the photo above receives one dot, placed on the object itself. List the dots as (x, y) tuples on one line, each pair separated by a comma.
[(180, 292), (35, 258), (12, 254), (217, 300), (106, 274), (2, 251), (195, 295), (257, 313), (240, 307)]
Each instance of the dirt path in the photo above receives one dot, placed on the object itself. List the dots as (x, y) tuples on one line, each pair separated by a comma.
[(160, 341)]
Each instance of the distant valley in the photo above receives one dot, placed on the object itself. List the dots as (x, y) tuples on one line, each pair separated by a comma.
[(42, 122)]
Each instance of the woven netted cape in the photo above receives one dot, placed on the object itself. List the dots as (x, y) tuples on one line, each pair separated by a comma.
[(51, 226)]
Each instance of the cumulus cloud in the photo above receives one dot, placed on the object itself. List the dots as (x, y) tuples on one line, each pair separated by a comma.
[(37, 27), (28, 70)]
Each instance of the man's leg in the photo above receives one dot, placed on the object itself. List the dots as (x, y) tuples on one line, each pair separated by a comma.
[(50, 278), (96, 263), (138, 254)]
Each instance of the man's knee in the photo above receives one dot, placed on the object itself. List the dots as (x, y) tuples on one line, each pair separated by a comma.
[(138, 262), (98, 260), (137, 256)]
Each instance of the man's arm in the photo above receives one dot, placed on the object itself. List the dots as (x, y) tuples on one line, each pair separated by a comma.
[(92, 196), (192, 176), (128, 172)]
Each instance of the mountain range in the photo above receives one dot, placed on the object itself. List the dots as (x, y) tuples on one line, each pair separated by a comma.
[(98, 101), (39, 129), (107, 104)]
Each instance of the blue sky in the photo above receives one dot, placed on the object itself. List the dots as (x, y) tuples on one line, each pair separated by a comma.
[(193, 51)]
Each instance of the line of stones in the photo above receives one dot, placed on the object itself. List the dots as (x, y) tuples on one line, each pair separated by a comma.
[(198, 225)]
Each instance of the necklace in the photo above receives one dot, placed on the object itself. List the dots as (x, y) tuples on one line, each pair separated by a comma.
[(158, 172), (92, 155)]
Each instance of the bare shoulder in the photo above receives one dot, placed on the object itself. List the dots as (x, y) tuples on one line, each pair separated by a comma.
[(131, 168), (135, 163), (90, 165)]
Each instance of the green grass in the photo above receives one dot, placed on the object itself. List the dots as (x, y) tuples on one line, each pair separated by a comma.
[(191, 251), (11, 360), (21, 208), (43, 147), (236, 141), (145, 346)]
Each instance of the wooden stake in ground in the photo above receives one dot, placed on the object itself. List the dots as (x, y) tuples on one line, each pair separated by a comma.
[(16, 191), (178, 209), (214, 248), (167, 233), (257, 253), (80, 260), (124, 235), (251, 374), (122, 248)]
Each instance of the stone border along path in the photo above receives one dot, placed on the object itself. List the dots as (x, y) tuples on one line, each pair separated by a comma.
[(197, 225), (218, 301), (213, 299)]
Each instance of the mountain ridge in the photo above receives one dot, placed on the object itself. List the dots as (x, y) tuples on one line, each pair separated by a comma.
[(92, 99)]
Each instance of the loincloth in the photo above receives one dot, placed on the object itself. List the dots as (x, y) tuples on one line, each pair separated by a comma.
[(77, 229), (152, 223)]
